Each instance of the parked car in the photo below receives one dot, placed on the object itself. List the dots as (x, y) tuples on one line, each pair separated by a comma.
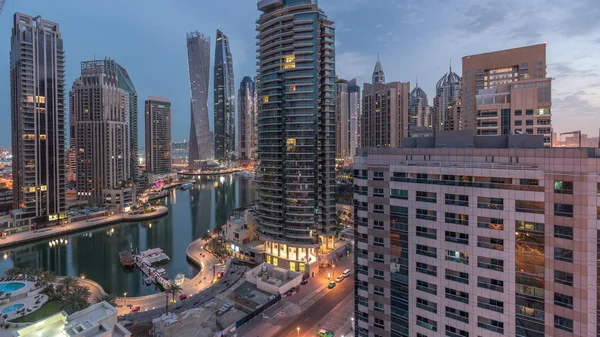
[(135, 309), (304, 282), (182, 297), (331, 285), (339, 279)]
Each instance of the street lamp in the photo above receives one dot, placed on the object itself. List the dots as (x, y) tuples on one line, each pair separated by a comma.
[(125, 294), (333, 270), (298, 330)]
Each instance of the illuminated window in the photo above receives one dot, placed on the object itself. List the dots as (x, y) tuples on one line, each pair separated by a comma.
[(40, 99), (29, 137), (43, 188), (289, 66), (292, 88), (29, 99), (291, 144), (288, 62), (266, 99), (43, 137)]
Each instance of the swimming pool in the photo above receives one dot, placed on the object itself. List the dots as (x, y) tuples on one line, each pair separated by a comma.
[(12, 308), (9, 287)]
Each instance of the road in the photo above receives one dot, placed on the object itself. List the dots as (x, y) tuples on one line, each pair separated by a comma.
[(320, 309)]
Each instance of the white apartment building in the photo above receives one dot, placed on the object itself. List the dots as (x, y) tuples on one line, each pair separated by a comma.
[(466, 236)]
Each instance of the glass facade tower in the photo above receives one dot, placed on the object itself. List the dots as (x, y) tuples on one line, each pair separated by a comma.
[(224, 101)]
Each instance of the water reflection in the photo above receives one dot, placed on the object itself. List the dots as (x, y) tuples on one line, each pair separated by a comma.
[(94, 254)]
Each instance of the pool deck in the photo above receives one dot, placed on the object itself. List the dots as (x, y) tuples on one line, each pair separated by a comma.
[(28, 296), (31, 236)]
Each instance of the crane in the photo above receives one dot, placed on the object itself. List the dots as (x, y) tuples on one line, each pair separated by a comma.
[(577, 132)]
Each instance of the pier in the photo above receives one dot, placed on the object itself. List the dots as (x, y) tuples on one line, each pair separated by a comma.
[(144, 262)]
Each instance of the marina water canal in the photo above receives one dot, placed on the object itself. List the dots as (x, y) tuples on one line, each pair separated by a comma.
[(95, 253)]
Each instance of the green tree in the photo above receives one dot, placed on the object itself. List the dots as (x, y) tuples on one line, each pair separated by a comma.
[(14, 271), (69, 283), (46, 278), (206, 236), (172, 289), (72, 303), (110, 298), (82, 292)]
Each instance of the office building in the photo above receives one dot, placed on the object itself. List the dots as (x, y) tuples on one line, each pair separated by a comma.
[(447, 105), (354, 104), (198, 47), (158, 135), (100, 125), (462, 235), (342, 120), (247, 120), (488, 70), (224, 101), (296, 132), (419, 123), (37, 89), (378, 74), (514, 108), (384, 118), (126, 84)]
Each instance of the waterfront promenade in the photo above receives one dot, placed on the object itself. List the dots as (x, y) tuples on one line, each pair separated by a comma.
[(24, 237)]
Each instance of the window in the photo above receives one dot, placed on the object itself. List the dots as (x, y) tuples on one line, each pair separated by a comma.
[(563, 278), (427, 251), (426, 269), (426, 305), (529, 226), (490, 203), (529, 182), (426, 214), (425, 232), (452, 255), (529, 112), (526, 206), (377, 175), (491, 223), (456, 295), (427, 287), (378, 306), (518, 123), (457, 200), (563, 300), (563, 232), (426, 197), (378, 224), (378, 192), (490, 243), (454, 332), (518, 113), (491, 284), (379, 323), (457, 276), (563, 187), (529, 290), (398, 194), (377, 290), (490, 324), (377, 208), (562, 254), (378, 274), (398, 176), (490, 304), (458, 315), (563, 323), (455, 237), (426, 323), (563, 210), (529, 122), (489, 263), (377, 257), (378, 241), (459, 219)]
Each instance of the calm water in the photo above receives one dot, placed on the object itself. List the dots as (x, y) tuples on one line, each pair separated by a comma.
[(95, 254)]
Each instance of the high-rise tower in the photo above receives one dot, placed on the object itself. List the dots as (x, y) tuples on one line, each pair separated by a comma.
[(354, 104), (378, 74), (342, 120), (224, 101), (158, 135), (198, 47), (126, 85), (100, 119), (296, 132), (247, 120), (37, 83), (419, 124), (446, 104)]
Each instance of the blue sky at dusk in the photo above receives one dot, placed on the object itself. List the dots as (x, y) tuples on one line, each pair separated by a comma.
[(415, 38)]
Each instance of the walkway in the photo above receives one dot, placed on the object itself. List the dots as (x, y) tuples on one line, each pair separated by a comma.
[(23, 237)]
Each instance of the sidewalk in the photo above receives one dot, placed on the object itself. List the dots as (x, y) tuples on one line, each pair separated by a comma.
[(22, 237)]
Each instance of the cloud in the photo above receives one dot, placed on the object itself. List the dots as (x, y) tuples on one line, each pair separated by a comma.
[(574, 105), (354, 65), (478, 19), (566, 69), (582, 19), (379, 25)]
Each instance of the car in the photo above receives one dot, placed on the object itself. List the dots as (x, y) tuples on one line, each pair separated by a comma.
[(331, 285), (135, 309), (182, 297), (339, 279), (304, 282)]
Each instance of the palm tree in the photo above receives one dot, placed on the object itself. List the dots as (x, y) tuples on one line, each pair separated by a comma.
[(47, 277), (69, 282), (205, 236), (14, 271), (28, 271), (82, 292), (72, 303), (172, 289), (110, 298)]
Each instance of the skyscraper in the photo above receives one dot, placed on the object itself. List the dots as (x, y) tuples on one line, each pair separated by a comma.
[(446, 104), (100, 113), (158, 135), (384, 117), (37, 83), (378, 74), (342, 120), (488, 70), (247, 120), (419, 124), (198, 47), (224, 101), (354, 104), (296, 132), (126, 84)]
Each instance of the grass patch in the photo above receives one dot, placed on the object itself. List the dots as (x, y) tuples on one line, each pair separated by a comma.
[(47, 309)]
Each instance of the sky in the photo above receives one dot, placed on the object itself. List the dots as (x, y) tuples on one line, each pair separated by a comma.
[(415, 38)]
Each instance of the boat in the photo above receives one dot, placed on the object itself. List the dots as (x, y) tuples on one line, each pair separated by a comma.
[(148, 281), (126, 259), (186, 186)]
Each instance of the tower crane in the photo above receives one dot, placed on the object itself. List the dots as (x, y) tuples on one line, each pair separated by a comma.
[(577, 132)]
